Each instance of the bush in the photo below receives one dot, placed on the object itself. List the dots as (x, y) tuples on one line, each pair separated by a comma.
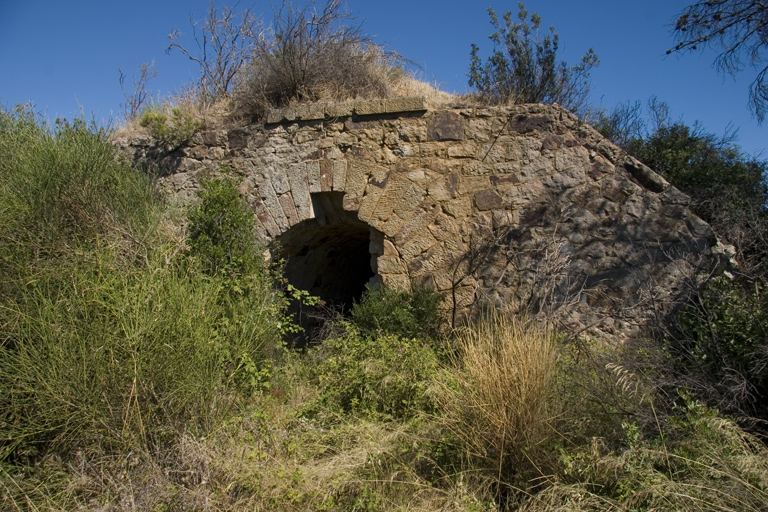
[(701, 462), (719, 340), (379, 375), (222, 230), (173, 131), (67, 186), (410, 314), (525, 70), (314, 54), (108, 337)]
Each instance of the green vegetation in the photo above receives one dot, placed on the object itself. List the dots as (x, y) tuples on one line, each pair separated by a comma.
[(523, 67), (172, 131), (718, 340), (406, 314), (144, 370)]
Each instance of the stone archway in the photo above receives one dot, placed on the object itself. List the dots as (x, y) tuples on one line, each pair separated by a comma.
[(330, 256)]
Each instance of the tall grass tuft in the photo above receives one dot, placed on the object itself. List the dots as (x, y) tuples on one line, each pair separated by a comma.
[(498, 396)]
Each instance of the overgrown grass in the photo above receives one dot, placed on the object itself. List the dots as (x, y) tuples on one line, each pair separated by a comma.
[(140, 372), (113, 340)]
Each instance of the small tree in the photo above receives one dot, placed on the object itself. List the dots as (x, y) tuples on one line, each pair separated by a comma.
[(222, 230), (524, 68), (225, 42), (739, 28), (138, 95)]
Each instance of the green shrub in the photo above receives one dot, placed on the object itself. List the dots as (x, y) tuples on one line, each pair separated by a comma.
[(66, 187), (109, 336), (111, 355), (720, 341), (524, 69), (173, 131), (410, 314), (222, 230), (382, 375)]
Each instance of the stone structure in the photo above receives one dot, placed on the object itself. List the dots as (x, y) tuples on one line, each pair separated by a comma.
[(522, 205)]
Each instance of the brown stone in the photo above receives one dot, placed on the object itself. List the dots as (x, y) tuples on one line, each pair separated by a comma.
[(446, 125)]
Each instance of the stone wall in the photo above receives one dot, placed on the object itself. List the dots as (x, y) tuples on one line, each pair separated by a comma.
[(521, 206)]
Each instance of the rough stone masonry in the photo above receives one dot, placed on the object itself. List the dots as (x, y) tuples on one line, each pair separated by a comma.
[(521, 207)]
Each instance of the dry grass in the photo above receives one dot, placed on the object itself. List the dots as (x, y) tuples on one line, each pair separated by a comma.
[(498, 397)]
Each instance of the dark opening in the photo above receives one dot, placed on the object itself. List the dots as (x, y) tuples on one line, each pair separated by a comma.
[(330, 257)]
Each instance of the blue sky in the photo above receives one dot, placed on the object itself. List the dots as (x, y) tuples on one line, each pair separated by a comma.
[(64, 55)]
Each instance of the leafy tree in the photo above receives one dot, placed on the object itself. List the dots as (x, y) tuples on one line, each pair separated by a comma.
[(524, 68), (727, 188), (739, 29)]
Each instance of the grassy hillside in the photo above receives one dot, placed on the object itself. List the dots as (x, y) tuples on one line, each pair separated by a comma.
[(143, 368)]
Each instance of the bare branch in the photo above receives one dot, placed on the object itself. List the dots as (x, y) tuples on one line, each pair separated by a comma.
[(225, 42), (137, 96), (739, 29)]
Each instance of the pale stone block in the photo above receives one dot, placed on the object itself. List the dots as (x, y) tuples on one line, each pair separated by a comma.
[(340, 109), (297, 177), (463, 150), (423, 216), (313, 176), (279, 180), (396, 281), (315, 111), (395, 190), (390, 265), (406, 104), (269, 197), (459, 208), (356, 179), (370, 107), (289, 208), (417, 244), (339, 174), (368, 204)]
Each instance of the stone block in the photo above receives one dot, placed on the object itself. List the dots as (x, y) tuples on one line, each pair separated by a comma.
[(297, 177), (280, 115), (368, 204), (269, 198), (339, 109), (446, 125), (419, 242), (406, 104), (390, 265), (279, 180), (370, 107), (266, 220), (313, 176), (326, 175), (356, 180), (289, 208), (339, 174), (314, 111)]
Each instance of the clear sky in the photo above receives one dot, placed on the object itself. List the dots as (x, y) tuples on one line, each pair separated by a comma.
[(64, 55)]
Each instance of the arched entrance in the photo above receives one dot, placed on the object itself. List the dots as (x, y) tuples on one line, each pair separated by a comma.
[(330, 257)]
